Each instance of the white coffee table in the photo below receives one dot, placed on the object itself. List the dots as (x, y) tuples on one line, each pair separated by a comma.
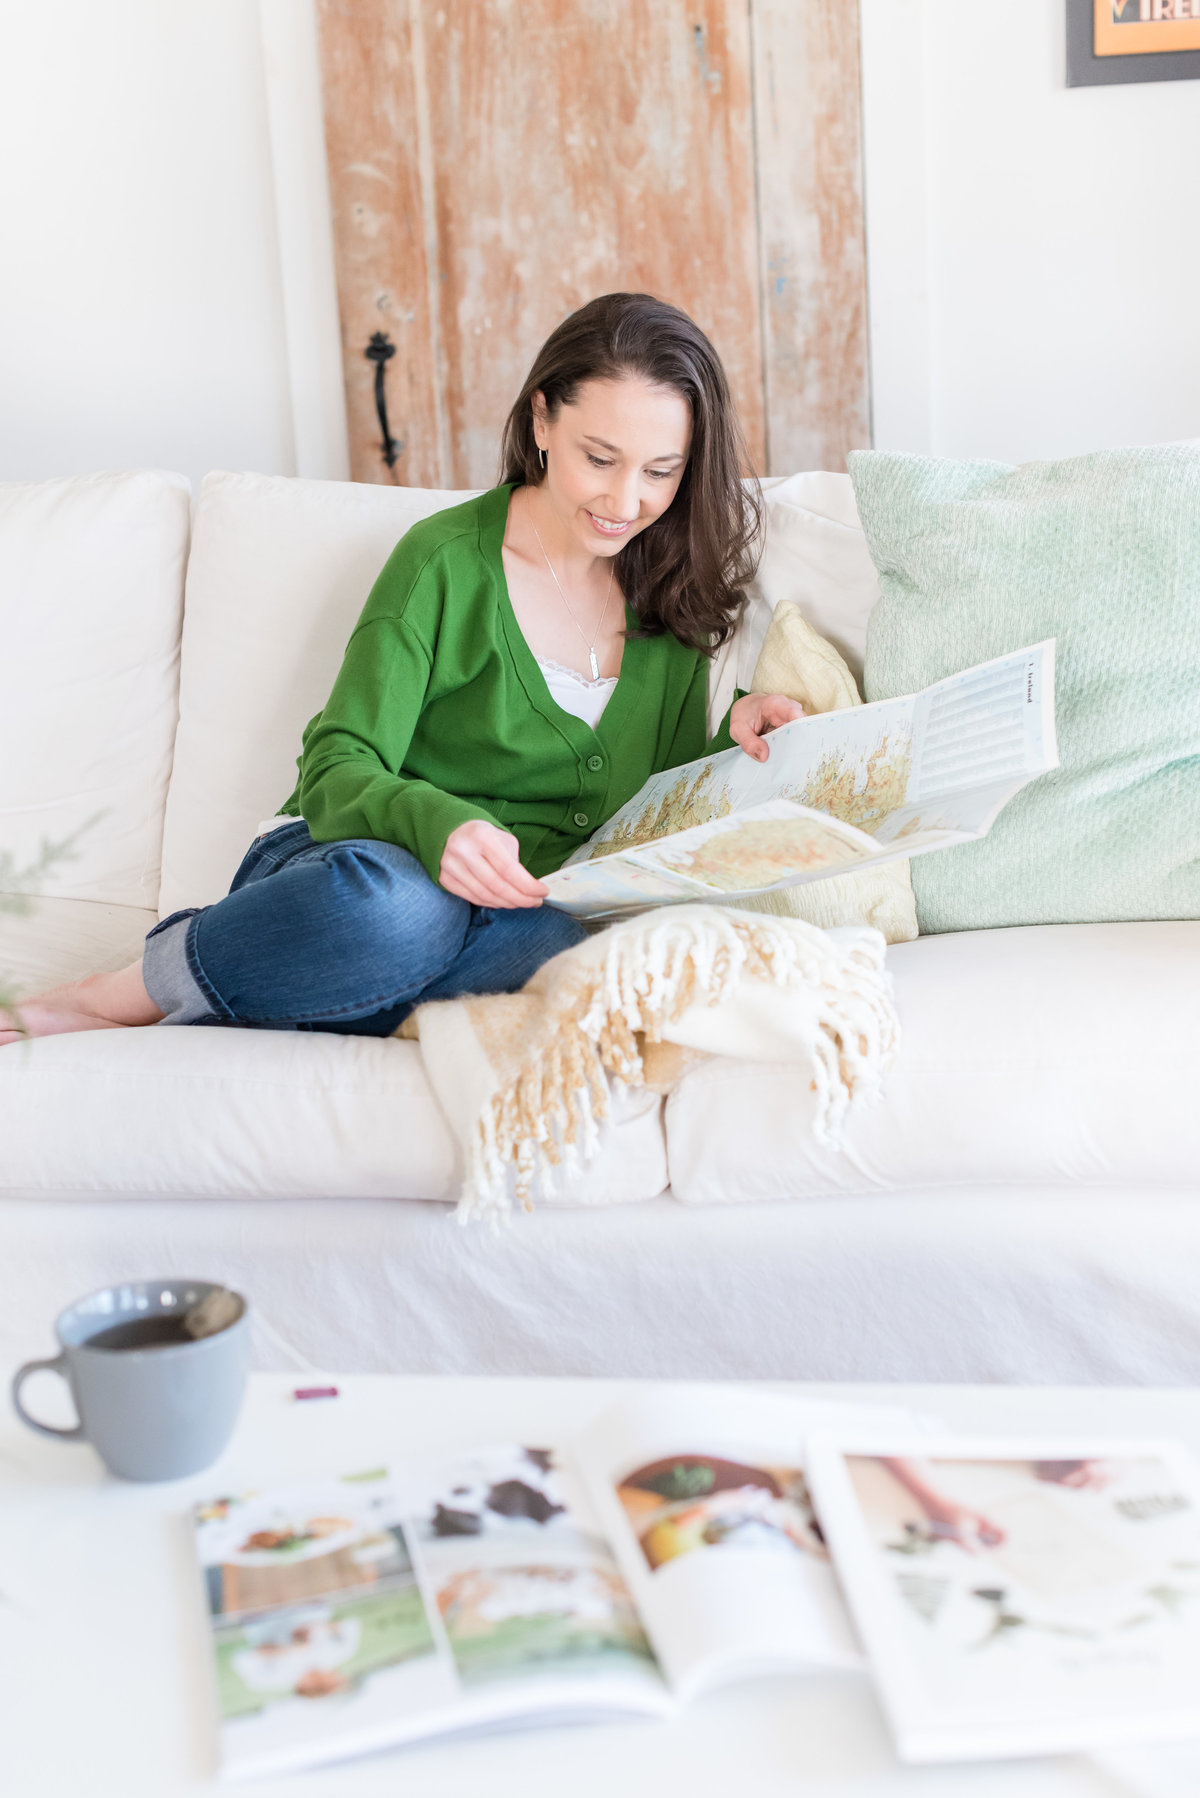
[(103, 1676)]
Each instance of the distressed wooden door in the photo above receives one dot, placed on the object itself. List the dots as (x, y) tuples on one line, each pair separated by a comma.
[(494, 163)]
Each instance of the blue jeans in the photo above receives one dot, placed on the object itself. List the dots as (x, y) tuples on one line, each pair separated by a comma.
[(346, 937)]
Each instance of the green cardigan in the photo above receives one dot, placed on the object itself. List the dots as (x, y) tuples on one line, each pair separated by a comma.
[(440, 713)]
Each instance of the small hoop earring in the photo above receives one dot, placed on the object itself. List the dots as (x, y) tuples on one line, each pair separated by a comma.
[(542, 458)]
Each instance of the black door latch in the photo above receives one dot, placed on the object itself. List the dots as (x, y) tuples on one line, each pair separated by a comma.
[(380, 351)]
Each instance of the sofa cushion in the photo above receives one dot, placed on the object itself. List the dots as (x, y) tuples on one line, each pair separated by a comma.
[(816, 555), (278, 574), (91, 594), (258, 1114), (1056, 1056), (1101, 552), (63, 939)]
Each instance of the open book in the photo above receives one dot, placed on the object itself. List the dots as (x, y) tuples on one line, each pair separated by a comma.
[(671, 1547), (840, 791)]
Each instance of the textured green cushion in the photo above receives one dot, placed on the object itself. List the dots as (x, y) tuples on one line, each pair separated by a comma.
[(1101, 552)]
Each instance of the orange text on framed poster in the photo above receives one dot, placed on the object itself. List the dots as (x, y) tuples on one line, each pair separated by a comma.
[(1145, 27)]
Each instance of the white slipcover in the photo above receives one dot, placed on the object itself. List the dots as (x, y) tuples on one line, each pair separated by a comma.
[(62, 939), (213, 1111), (1053, 1055), (1019, 1284), (277, 577), (91, 592)]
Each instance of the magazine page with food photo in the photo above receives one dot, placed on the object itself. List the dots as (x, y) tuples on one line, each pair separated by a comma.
[(705, 1500), (322, 1643), (526, 1590), (1020, 1597), (353, 1614)]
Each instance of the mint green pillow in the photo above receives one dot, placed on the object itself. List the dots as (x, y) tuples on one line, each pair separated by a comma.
[(1101, 552)]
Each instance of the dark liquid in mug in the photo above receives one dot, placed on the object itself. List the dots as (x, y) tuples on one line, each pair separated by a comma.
[(141, 1333)]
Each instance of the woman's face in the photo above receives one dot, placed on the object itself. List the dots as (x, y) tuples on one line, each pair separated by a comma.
[(614, 459)]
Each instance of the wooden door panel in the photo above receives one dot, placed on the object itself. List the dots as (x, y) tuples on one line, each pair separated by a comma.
[(494, 163), (808, 128), (580, 150), (370, 65)]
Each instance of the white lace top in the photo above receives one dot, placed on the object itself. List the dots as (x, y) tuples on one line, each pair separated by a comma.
[(576, 694)]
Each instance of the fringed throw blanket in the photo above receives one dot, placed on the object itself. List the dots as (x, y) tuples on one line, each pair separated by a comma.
[(524, 1077)]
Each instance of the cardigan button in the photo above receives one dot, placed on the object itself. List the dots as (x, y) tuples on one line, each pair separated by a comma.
[(581, 819), (595, 763)]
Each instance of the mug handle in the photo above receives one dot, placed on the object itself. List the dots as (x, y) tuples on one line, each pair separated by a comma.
[(57, 1365)]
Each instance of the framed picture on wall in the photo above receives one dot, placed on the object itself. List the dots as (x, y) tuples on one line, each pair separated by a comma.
[(1132, 40)]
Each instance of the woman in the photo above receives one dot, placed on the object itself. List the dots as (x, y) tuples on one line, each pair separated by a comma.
[(523, 664)]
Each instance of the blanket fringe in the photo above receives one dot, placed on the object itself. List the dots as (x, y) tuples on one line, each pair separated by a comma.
[(543, 1124)]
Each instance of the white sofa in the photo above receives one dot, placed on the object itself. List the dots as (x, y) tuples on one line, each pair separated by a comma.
[(1023, 1205)]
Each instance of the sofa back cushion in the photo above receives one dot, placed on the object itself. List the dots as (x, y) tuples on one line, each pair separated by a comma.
[(91, 598), (278, 574), (814, 554), (1101, 552)]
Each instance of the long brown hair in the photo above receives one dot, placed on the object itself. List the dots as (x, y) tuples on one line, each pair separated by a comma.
[(686, 572)]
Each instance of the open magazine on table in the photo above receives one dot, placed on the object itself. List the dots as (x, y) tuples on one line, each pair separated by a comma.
[(670, 1547), (839, 791), (1019, 1597)]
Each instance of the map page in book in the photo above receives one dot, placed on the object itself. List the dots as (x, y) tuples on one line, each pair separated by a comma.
[(845, 789)]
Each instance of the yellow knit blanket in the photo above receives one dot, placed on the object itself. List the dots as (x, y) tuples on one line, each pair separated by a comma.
[(524, 1077)]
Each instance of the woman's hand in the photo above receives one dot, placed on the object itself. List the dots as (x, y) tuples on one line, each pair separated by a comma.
[(1079, 1474), (481, 863), (948, 1520), (755, 715), (962, 1525)]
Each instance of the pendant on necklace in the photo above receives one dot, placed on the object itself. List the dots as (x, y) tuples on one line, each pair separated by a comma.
[(595, 664)]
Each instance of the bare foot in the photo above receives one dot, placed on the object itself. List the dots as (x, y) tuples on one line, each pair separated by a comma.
[(98, 1002)]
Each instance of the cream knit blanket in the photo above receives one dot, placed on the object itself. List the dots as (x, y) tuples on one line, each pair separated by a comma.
[(524, 1077)]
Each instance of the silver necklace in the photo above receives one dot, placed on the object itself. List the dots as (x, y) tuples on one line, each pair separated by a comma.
[(590, 647)]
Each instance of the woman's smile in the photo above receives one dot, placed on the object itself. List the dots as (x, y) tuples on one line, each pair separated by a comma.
[(610, 527)]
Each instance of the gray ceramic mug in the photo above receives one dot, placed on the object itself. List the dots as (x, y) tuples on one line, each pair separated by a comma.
[(151, 1413)]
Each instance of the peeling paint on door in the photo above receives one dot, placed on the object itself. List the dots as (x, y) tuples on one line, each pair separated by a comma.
[(493, 165)]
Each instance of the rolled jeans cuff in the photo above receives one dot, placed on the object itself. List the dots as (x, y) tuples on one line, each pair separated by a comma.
[(169, 977)]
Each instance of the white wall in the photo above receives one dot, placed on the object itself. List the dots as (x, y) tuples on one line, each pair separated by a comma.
[(141, 318), (1033, 257), (1033, 252)]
